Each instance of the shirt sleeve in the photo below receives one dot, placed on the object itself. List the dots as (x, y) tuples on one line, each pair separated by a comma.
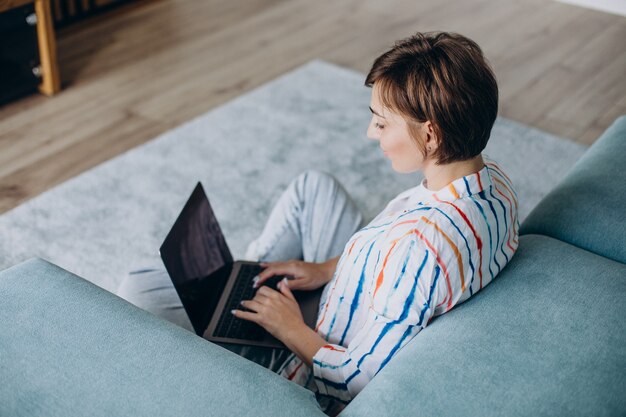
[(400, 303)]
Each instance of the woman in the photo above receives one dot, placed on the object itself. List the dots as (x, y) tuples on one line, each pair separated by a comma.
[(434, 101)]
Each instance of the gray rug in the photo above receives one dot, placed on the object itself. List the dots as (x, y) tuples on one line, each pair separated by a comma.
[(114, 217)]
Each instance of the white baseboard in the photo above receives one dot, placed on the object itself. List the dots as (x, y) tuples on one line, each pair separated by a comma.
[(609, 6)]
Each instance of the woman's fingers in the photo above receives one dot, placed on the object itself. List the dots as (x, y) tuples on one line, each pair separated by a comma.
[(306, 276), (253, 305), (263, 305), (246, 315), (266, 292), (275, 311), (274, 268), (283, 286), (305, 283)]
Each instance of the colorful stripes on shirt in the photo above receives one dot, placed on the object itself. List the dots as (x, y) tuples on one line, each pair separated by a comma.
[(421, 256)]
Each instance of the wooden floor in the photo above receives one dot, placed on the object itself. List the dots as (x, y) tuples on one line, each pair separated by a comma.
[(148, 67)]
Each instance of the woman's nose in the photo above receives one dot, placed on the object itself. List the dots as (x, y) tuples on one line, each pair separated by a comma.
[(372, 132)]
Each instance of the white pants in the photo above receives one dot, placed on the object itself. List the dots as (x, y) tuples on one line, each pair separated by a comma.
[(312, 221)]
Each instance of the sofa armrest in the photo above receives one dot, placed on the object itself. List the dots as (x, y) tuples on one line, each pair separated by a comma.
[(586, 209), (545, 338), (68, 347)]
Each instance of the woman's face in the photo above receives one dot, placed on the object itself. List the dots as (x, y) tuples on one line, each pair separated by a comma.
[(391, 131)]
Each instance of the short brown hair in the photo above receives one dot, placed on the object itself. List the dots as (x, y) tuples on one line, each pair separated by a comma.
[(442, 77)]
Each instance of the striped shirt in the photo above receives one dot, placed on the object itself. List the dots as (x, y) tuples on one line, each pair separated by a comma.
[(425, 253)]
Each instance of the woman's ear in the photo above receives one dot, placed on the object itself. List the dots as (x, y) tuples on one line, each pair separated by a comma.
[(431, 138)]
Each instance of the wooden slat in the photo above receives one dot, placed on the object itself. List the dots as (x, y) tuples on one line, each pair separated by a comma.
[(58, 13), (71, 7), (50, 82), (11, 4)]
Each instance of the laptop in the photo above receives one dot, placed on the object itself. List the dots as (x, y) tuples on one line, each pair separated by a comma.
[(210, 284)]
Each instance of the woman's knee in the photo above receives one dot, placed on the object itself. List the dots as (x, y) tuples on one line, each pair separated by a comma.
[(313, 181)]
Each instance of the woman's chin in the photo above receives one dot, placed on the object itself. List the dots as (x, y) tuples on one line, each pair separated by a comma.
[(403, 169)]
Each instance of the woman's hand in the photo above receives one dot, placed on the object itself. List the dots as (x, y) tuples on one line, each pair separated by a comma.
[(306, 275), (277, 312)]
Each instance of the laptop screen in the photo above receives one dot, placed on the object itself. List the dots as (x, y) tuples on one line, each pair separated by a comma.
[(197, 258)]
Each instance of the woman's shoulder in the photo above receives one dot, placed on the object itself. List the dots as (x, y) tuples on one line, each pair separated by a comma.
[(438, 227), (418, 224)]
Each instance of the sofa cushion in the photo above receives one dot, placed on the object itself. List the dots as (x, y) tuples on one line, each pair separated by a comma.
[(587, 208), (70, 348), (546, 338)]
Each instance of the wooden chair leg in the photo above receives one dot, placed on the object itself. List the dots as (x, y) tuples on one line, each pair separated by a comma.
[(51, 82)]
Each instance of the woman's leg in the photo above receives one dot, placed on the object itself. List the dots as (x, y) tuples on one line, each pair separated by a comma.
[(152, 289), (312, 220)]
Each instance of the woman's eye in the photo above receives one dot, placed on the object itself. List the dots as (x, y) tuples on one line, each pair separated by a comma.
[(378, 126)]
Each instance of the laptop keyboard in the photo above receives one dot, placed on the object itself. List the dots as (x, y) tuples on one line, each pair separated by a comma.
[(232, 327)]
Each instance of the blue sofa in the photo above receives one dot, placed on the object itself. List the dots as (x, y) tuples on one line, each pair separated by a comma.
[(547, 337)]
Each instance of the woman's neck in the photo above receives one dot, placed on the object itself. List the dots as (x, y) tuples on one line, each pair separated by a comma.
[(438, 176)]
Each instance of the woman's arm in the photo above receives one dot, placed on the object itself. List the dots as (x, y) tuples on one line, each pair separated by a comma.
[(279, 313), (306, 275), (331, 267), (304, 342)]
